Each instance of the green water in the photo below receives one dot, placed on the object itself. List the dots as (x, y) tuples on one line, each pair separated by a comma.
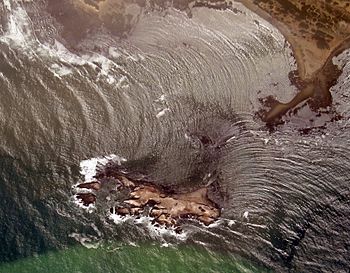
[(144, 258)]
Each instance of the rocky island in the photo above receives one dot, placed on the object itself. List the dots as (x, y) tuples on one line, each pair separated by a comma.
[(147, 198)]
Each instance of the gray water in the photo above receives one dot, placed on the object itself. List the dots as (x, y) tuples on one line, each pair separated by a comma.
[(285, 195)]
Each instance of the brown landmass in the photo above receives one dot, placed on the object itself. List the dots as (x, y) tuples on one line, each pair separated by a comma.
[(166, 207), (317, 31), (79, 18)]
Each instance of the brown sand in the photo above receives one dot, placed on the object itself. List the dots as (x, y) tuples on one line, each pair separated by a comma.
[(313, 28), (317, 31)]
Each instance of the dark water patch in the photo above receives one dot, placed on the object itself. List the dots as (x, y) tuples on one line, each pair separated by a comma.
[(23, 230)]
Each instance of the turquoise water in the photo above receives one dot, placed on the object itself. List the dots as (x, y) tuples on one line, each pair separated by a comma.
[(145, 258)]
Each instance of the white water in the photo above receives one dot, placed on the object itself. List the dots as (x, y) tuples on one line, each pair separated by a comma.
[(88, 166)]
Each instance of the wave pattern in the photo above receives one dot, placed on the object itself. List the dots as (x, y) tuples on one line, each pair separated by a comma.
[(285, 194)]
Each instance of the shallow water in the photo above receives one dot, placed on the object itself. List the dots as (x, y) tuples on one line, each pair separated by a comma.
[(144, 258), (284, 194)]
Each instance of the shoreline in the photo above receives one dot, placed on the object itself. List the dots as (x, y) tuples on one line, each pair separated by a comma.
[(304, 40), (165, 206), (315, 69)]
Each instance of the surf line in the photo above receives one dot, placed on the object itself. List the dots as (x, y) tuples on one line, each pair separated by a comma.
[(165, 206)]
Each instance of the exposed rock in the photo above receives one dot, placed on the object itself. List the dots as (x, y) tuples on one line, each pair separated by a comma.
[(86, 198), (90, 185), (166, 208), (123, 211)]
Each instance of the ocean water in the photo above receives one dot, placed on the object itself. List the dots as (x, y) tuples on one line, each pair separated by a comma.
[(76, 91)]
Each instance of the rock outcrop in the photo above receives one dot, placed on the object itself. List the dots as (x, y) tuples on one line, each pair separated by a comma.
[(166, 207)]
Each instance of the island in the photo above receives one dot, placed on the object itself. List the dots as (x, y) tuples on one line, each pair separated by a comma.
[(143, 197)]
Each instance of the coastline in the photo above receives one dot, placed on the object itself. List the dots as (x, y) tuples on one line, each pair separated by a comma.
[(313, 44), (164, 205)]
